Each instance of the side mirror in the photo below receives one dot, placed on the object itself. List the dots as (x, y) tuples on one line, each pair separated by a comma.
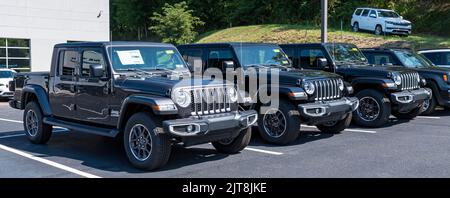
[(373, 15), (96, 71), (227, 65), (322, 63), (401, 17)]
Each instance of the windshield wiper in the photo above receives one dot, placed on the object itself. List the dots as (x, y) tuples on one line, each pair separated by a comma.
[(256, 65), (137, 71), (276, 65)]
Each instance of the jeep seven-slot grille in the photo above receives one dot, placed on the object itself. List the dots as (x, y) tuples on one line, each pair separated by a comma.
[(327, 90), (210, 100), (409, 81)]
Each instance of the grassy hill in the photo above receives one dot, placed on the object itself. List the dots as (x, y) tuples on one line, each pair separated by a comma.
[(301, 34)]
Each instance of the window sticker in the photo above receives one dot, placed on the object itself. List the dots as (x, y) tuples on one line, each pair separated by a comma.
[(130, 57), (276, 50), (170, 52), (285, 62), (180, 66), (354, 49)]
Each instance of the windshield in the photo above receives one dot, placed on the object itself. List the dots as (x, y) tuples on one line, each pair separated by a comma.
[(388, 14), (262, 55), (346, 53), (145, 58), (412, 60), (6, 74)]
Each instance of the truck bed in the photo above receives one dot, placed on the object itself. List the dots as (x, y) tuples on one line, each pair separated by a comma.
[(29, 78)]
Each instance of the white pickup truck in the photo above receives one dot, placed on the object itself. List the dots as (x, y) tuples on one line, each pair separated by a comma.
[(380, 21)]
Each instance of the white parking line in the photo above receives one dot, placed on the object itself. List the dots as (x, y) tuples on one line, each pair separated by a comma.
[(8, 120), (48, 162), (11, 136), (23, 134), (347, 130), (263, 151), (429, 117)]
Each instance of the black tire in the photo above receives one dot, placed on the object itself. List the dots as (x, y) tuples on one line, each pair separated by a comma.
[(355, 27), (292, 124), (430, 108), (378, 120), (336, 127), (39, 132), (378, 30), (408, 115), (160, 145), (234, 145)]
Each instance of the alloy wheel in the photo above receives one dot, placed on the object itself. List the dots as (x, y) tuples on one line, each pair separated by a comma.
[(140, 142), (31, 123), (275, 123), (368, 109)]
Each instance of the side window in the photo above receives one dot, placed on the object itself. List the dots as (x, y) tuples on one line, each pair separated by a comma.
[(309, 57), (447, 58), (358, 12), (69, 61), (292, 55), (217, 57), (365, 13), (383, 59), (91, 57), (194, 57), (436, 58), (373, 12)]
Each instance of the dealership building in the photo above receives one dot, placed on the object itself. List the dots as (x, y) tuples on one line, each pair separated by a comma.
[(30, 28)]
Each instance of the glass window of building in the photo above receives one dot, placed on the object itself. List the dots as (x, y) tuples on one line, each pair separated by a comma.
[(15, 54)]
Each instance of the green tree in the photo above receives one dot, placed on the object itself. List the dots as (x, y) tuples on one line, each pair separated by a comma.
[(176, 24)]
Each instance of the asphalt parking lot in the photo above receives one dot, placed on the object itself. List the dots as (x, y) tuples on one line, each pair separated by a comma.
[(418, 148)]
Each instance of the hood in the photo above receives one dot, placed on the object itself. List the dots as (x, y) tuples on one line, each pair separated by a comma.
[(371, 71), (398, 20), (434, 70), (291, 76), (161, 85)]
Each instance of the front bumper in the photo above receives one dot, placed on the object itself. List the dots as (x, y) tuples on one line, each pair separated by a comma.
[(327, 111), (410, 99), (399, 29), (6, 94), (198, 130)]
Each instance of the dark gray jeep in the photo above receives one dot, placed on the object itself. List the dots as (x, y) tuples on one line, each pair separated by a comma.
[(141, 92)]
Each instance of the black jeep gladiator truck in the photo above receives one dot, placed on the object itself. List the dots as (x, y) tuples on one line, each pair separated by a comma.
[(141, 92), (305, 96), (381, 90), (437, 77)]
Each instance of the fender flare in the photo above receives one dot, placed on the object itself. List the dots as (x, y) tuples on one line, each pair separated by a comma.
[(149, 101), (377, 83), (41, 96)]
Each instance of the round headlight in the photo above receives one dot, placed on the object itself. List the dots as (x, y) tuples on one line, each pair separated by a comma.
[(397, 79), (182, 98), (309, 88), (232, 94), (341, 84)]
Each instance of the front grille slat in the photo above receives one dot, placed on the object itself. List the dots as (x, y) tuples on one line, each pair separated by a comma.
[(327, 90), (206, 101), (409, 81)]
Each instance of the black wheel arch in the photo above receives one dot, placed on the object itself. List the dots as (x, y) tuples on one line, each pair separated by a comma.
[(135, 104), (38, 94)]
